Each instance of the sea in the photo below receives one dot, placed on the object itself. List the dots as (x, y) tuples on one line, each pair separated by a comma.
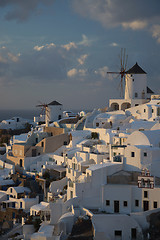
[(28, 114)]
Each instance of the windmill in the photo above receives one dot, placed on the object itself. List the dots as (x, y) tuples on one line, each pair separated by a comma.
[(45, 111), (123, 61)]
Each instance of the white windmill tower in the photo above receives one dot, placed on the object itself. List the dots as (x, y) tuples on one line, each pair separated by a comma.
[(53, 111), (135, 83)]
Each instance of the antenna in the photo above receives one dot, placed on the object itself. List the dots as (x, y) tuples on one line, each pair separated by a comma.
[(123, 61)]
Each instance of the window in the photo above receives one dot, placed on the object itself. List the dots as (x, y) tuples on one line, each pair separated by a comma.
[(13, 204), (145, 154), (152, 110), (125, 203), (158, 111), (136, 94), (42, 144), (65, 143), (20, 162), (118, 233), (11, 190), (107, 202), (144, 110), (20, 204), (145, 194), (133, 233), (137, 203), (155, 204), (71, 194), (36, 140), (136, 104), (132, 154), (97, 124)]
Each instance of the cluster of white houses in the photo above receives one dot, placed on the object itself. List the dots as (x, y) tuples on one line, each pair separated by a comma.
[(107, 167)]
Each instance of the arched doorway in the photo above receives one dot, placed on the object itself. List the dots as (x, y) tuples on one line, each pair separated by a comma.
[(115, 106), (125, 105)]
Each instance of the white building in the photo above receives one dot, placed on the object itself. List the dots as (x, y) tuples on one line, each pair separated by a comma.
[(135, 90)]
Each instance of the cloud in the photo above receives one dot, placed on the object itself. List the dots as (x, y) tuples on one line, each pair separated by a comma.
[(102, 71), (39, 48), (21, 10), (72, 72), (82, 59), (114, 44), (76, 72), (156, 32), (135, 25), (69, 46), (135, 15), (85, 41)]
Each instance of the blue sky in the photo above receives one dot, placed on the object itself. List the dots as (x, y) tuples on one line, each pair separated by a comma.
[(61, 49)]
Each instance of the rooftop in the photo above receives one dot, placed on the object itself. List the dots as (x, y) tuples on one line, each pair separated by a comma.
[(136, 69)]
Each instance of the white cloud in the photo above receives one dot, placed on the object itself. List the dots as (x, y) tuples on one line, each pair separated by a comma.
[(102, 71), (135, 25), (72, 72), (156, 32), (69, 46), (135, 15), (76, 72), (82, 59), (114, 44), (39, 48)]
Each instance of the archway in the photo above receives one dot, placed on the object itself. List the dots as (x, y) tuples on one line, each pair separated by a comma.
[(115, 106), (125, 105)]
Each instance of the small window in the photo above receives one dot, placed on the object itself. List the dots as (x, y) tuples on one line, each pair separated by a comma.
[(11, 190), (144, 110), (134, 233), (133, 80), (42, 144), (20, 204), (97, 124), (145, 194), (137, 203), (145, 154), (132, 154), (155, 204), (65, 143), (136, 104), (125, 203), (118, 233), (20, 162), (152, 110), (107, 202), (136, 94)]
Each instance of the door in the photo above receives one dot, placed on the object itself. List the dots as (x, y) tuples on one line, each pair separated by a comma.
[(145, 205), (116, 206)]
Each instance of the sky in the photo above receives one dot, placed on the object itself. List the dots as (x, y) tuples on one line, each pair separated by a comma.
[(62, 49)]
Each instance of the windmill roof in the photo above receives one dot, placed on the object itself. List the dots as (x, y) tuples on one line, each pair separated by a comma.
[(149, 90), (136, 69), (54, 103)]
